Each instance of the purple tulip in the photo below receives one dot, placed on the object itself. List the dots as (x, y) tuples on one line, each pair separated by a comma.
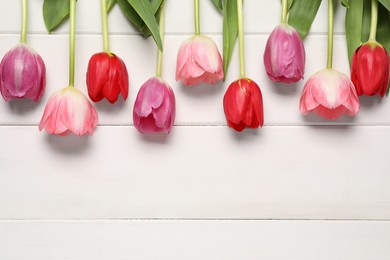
[(154, 108), (284, 55), (22, 74)]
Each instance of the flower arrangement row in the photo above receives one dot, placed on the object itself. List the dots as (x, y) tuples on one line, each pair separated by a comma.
[(328, 93)]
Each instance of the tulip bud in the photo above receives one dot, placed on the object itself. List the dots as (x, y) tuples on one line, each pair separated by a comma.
[(370, 69), (154, 108), (22, 74), (243, 105), (69, 111), (330, 94), (107, 77), (284, 55), (198, 61)]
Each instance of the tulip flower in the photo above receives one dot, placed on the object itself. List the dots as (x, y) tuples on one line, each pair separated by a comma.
[(69, 111), (22, 74), (107, 74), (198, 59), (22, 70), (284, 55), (154, 108), (370, 69), (330, 94), (243, 101), (107, 77), (243, 105)]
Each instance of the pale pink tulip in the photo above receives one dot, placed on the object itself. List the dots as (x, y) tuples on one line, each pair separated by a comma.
[(69, 111), (154, 108), (330, 94), (22, 74), (199, 60), (284, 55)]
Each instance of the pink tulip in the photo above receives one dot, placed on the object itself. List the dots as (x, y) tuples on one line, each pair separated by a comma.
[(22, 74), (330, 94), (154, 108), (284, 55), (69, 111), (199, 60)]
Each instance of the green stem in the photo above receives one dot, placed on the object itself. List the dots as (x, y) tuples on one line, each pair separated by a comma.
[(330, 34), (241, 38), (162, 32), (196, 17), (103, 9), (24, 22), (374, 20), (284, 10), (72, 32)]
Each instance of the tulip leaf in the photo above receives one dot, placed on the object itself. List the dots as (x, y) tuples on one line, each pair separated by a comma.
[(110, 4), (385, 3), (353, 26), (218, 4), (345, 3), (230, 31), (156, 4), (302, 14), (54, 13)]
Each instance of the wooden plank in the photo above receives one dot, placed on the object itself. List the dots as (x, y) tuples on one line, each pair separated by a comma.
[(260, 17), (197, 172), (200, 105), (208, 240)]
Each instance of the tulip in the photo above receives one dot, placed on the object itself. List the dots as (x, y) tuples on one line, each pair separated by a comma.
[(69, 111), (22, 74), (198, 61), (284, 55), (330, 94), (370, 69), (154, 108), (243, 105), (107, 77)]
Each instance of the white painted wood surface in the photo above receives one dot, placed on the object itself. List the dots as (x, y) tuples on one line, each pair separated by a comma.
[(66, 198)]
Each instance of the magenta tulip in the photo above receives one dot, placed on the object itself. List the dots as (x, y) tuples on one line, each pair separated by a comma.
[(69, 111), (198, 61), (330, 94), (22, 74), (154, 108), (284, 55)]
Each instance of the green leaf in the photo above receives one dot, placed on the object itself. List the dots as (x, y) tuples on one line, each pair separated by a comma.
[(385, 3), (302, 14), (54, 13), (156, 4), (218, 4), (383, 30), (110, 4), (230, 31), (353, 26), (290, 3)]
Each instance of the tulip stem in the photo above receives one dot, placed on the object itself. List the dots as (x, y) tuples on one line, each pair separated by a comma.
[(374, 20), (284, 10), (196, 17), (162, 32), (103, 9), (330, 34), (72, 36), (24, 22), (241, 38)]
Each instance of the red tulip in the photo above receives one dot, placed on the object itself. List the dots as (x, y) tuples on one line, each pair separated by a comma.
[(243, 105), (370, 69), (107, 77)]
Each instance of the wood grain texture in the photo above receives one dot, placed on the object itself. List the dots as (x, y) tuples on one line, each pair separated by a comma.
[(197, 172), (194, 240)]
